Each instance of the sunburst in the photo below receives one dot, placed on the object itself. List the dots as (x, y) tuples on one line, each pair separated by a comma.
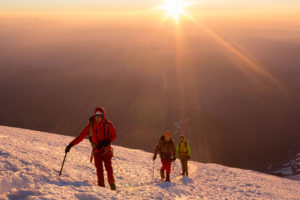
[(175, 8)]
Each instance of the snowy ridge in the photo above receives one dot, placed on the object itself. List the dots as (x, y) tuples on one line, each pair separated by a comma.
[(30, 162), (289, 168)]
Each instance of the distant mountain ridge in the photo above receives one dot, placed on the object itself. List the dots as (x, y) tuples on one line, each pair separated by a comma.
[(288, 168)]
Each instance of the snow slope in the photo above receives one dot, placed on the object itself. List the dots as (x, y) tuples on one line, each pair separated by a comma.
[(30, 162)]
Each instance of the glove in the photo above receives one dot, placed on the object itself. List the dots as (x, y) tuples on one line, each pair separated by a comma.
[(68, 148), (154, 157), (106, 142)]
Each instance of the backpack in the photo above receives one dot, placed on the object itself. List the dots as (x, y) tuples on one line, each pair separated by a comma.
[(105, 127)]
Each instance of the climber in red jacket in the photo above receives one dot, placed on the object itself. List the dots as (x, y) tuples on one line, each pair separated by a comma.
[(101, 134)]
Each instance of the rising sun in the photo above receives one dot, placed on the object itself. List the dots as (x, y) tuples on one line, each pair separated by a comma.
[(174, 8)]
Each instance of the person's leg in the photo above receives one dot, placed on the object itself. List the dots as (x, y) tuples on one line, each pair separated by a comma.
[(168, 170), (186, 167), (99, 167), (182, 166), (109, 169), (163, 167), (168, 167)]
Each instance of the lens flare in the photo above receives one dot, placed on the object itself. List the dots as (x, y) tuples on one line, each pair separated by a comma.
[(174, 8)]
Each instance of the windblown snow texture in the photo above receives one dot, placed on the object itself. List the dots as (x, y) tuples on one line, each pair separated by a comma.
[(30, 162)]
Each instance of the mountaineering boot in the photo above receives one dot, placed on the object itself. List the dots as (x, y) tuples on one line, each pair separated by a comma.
[(168, 178), (162, 174), (113, 186)]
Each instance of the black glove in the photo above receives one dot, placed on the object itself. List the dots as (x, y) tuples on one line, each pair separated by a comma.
[(106, 142), (68, 147), (154, 157)]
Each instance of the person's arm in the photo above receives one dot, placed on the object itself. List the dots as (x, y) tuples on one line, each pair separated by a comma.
[(78, 139), (81, 136), (156, 150), (188, 149), (112, 132)]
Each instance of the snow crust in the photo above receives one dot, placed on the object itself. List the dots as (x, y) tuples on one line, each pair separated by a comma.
[(30, 162)]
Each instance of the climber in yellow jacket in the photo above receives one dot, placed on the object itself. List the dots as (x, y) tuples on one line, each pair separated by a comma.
[(183, 152)]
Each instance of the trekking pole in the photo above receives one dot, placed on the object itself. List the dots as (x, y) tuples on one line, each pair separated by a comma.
[(62, 164), (153, 171), (122, 172)]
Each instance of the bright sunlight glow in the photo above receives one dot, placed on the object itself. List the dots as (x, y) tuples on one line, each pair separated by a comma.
[(174, 8)]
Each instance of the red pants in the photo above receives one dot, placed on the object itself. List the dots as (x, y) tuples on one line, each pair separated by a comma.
[(99, 159), (166, 165)]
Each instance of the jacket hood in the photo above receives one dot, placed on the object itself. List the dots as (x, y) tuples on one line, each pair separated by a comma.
[(100, 109), (162, 139)]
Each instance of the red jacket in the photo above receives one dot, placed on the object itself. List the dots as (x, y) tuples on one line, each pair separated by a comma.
[(99, 131)]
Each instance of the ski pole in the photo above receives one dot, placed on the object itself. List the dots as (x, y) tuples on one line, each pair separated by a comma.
[(62, 164)]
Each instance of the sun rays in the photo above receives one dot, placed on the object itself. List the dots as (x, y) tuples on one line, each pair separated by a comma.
[(175, 9), (247, 64)]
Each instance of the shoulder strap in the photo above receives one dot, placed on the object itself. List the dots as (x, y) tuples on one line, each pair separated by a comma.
[(91, 126), (106, 127), (91, 132), (180, 148), (184, 150)]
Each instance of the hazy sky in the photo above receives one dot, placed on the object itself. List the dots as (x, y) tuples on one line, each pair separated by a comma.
[(237, 56), (94, 5)]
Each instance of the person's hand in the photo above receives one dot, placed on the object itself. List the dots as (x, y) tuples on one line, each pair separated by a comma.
[(106, 142), (154, 157), (68, 148)]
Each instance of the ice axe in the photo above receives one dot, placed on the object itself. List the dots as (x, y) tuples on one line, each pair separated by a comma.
[(63, 164)]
